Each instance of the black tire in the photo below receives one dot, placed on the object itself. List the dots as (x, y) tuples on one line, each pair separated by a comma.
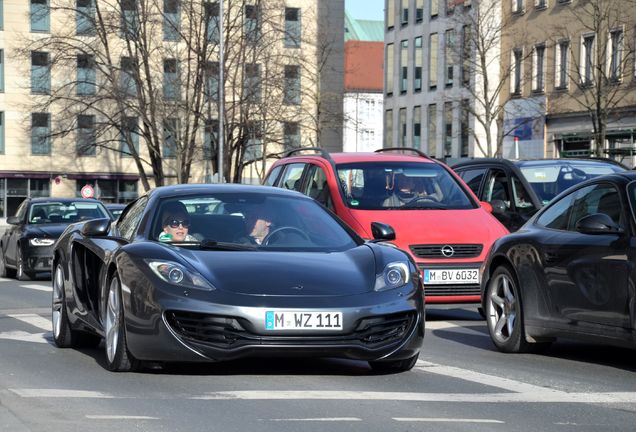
[(504, 313), (19, 268), (394, 365), (63, 335), (118, 358)]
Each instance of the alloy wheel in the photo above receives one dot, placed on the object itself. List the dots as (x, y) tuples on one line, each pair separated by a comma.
[(58, 300), (502, 308), (113, 320)]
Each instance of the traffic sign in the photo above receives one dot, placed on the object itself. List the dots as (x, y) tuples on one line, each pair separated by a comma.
[(88, 191)]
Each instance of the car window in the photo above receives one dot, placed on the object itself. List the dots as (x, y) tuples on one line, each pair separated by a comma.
[(65, 212), (129, 221), (497, 187), (292, 176), (272, 176), (21, 210), (599, 198), (556, 215), (522, 200), (317, 187), (473, 178)]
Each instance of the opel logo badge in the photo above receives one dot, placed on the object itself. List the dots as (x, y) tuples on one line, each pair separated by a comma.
[(448, 251)]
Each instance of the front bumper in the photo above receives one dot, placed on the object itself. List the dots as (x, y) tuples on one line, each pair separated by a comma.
[(37, 258)]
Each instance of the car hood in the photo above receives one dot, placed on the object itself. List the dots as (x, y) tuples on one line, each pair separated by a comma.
[(267, 273), (47, 231), (435, 226)]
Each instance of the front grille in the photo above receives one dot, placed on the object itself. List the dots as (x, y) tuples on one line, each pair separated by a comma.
[(228, 332), (435, 250)]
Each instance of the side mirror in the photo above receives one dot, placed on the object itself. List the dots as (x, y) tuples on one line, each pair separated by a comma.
[(598, 223), (486, 206), (498, 206), (96, 227), (14, 220), (382, 231)]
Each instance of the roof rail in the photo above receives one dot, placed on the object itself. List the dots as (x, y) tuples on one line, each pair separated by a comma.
[(410, 149), (319, 150)]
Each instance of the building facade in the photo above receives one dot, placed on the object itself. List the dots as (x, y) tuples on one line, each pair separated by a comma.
[(45, 151)]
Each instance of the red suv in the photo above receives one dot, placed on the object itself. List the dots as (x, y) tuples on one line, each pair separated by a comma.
[(432, 213)]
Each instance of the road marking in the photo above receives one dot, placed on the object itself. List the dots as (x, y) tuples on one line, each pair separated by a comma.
[(442, 325), (446, 420), (119, 417), (324, 419), (23, 336), (47, 288), (5, 280), (60, 393), (34, 320)]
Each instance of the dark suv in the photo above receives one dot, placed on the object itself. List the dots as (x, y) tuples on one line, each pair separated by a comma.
[(516, 189)]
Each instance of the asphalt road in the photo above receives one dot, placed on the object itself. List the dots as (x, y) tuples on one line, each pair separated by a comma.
[(460, 384)]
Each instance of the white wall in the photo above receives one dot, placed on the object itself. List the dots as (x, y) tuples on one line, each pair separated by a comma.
[(363, 128)]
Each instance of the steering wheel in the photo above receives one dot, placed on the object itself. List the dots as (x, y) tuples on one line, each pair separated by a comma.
[(269, 236)]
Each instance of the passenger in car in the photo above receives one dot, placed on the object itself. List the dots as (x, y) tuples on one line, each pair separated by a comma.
[(258, 224), (175, 224)]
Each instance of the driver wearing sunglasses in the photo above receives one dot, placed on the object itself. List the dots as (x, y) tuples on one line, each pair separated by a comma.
[(175, 227)]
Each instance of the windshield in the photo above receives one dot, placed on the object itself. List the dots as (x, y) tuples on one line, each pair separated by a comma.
[(57, 212), (550, 179), (249, 221), (402, 186)]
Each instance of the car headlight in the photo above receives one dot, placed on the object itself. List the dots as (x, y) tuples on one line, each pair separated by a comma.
[(41, 241), (178, 275), (395, 275)]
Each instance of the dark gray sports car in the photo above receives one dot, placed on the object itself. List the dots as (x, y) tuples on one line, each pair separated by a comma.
[(218, 272)]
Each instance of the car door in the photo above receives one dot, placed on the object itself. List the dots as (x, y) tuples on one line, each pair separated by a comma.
[(588, 274), (502, 185)]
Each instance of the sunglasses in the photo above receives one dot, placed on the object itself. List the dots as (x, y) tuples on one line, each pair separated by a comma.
[(174, 223)]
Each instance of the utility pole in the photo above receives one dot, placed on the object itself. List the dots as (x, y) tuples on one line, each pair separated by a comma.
[(221, 91)]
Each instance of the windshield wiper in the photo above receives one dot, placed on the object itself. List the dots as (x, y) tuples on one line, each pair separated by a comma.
[(215, 245)]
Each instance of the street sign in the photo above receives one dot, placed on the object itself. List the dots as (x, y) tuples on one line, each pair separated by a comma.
[(88, 191)]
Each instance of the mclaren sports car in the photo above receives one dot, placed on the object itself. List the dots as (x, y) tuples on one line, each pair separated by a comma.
[(207, 273)]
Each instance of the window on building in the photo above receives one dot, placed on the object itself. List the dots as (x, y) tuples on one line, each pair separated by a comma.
[(1, 70), (419, 10), (40, 72), (561, 64), (450, 6), (40, 16), (417, 64), (171, 20), (127, 191), (388, 128), (516, 71), (291, 135), (1, 132), (390, 13), (466, 55), (40, 133), (210, 137), (212, 21), (170, 137), (587, 59), (538, 73), (388, 70), (39, 188), (129, 136), (170, 79), (402, 130), (465, 128), (85, 18), (252, 24), (128, 82), (292, 28), (432, 130), (254, 145), (417, 127), (432, 62), (212, 81), (540, 4), (434, 6), (616, 55), (404, 16), (450, 57), (448, 129), (404, 66), (252, 82), (86, 138), (85, 75), (517, 6), (129, 18), (291, 92)]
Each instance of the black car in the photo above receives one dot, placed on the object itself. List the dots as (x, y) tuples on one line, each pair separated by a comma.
[(26, 247), (310, 287), (518, 188), (569, 272), (115, 209)]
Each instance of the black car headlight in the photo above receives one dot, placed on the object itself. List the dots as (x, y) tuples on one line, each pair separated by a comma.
[(37, 241), (394, 275), (176, 274)]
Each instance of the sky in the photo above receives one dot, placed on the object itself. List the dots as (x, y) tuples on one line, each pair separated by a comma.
[(366, 9)]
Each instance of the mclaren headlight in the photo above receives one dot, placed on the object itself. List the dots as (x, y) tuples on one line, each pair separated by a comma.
[(394, 275), (178, 275), (41, 241)]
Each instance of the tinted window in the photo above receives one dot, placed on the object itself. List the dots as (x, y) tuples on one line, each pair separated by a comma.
[(600, 198), (523, 202), (128, 222), (273, 175), (317, 187), (497, 187), (473, 178), (556, 216), (57, 212), (291, 176)]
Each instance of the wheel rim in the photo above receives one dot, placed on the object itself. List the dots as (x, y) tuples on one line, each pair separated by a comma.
[(502, 308), (58, 300), (20, 270), (112, 320)]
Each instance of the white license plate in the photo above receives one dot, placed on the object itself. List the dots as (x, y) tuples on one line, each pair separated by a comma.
[(451, 276), (296, 320)]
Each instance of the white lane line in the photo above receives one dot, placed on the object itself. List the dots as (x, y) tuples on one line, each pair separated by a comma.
[(446, 420), (61, 393), (34, 320), (529, 397), (47, 288), (23, 336), (119, 417), (5, 280), (323, 419), (441, 325)]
